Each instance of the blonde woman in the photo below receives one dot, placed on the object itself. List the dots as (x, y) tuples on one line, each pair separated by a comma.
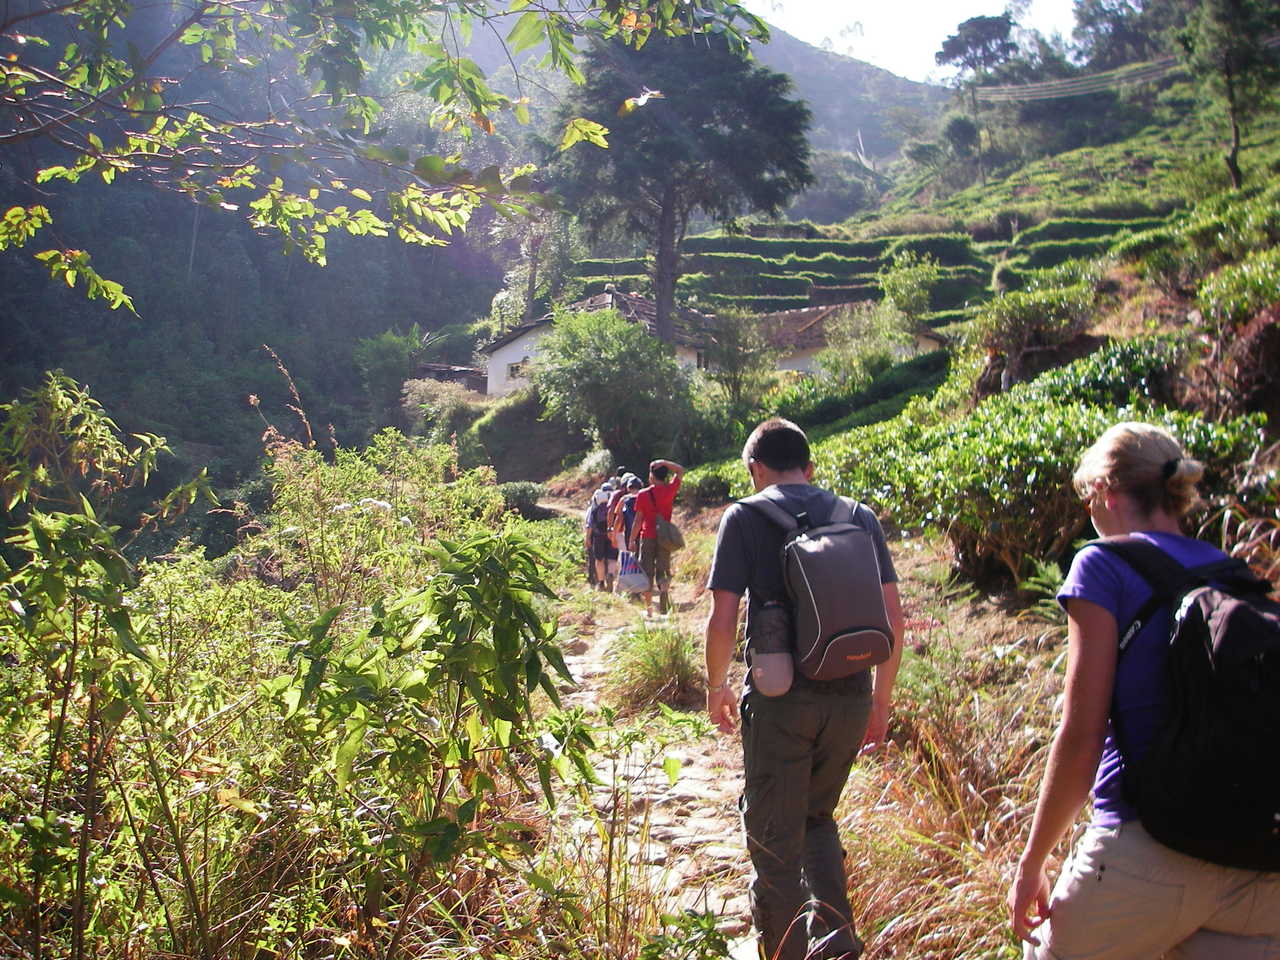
[(1121, 894)]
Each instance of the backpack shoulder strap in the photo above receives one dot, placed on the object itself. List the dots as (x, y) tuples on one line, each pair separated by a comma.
[(775, 511), (1167, 578)]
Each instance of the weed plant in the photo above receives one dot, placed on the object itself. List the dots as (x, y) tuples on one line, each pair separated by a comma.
[(652, 664)]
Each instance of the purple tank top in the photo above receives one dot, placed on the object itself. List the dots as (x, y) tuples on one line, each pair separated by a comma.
[(1138, 701)]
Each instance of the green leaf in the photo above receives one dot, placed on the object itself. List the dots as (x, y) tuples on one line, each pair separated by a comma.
[(579, 129), (361, 194), (344, 757), (527, 32), (671, 767)]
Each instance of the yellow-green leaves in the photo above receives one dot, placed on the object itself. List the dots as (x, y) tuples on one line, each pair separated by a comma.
[(579, 129)]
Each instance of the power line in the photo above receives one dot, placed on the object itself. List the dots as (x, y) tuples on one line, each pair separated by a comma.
[(1134, 73)]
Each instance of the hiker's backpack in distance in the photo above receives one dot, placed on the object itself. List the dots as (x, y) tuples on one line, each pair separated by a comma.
[(832, 575), (1209, 785)]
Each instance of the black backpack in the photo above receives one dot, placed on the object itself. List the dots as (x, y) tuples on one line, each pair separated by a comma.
[(835, 598), (1209, 785)]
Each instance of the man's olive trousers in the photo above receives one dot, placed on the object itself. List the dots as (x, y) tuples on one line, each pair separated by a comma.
[(798, 750)]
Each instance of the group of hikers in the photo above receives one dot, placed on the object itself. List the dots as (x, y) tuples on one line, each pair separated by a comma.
[(621, 528), (824, 635)]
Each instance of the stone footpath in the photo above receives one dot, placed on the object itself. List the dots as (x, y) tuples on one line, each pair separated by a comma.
[(693, 846)]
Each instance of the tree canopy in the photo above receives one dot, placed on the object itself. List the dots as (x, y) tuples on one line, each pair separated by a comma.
[(265, 107), (1225, 45), (691, 127), (606, 374)]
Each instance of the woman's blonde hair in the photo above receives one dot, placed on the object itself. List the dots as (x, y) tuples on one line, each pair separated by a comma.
[(1146, 463)]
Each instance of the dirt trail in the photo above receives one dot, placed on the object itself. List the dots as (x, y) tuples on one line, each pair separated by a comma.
[(694, 846)]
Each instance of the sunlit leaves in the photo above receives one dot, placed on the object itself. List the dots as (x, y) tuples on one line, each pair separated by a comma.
[(580, 129), (72, 267), (20, 224)]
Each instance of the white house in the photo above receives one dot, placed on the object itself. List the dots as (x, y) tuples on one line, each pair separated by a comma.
[(509, 355)]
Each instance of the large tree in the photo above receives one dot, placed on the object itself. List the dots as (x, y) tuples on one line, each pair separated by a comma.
[(978, 45), (265, 106), (1226, 46), (691, 127)]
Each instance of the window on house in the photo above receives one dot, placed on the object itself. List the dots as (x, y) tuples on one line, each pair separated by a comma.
[(701, 361), (517, 370)]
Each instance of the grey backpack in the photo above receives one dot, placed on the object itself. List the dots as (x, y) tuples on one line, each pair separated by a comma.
[(839, 625)]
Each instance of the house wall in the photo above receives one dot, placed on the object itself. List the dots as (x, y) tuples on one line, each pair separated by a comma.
[(804, 361), (525, 348), (520, 350)]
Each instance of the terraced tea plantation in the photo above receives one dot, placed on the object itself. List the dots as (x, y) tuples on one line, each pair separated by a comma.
[(766, 274)]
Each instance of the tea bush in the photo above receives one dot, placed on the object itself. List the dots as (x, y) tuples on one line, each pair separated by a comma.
[(522, 496), (996, 481), (1237, 292)]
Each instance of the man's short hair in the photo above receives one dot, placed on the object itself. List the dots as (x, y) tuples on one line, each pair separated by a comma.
[(660, 472), (779, 444)]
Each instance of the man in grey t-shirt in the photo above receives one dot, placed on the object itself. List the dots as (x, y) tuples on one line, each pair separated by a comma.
[(798, 748)]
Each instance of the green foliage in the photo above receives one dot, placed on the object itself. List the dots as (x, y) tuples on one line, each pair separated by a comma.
[(996, 480), (655, 664), (908, 281), (689, 936), (1224, 44), (627, 266), (385, 362), (1022, 321), (947, 249), (1237, 292), (684, 151), (439, 410), (775, 248), (169, 103), (522, 496), (395, 666), (863, 341), (606, 374), (739, 360), (1085, 228)]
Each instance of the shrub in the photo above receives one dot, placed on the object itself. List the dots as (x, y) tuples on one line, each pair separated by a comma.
[(1236, 292), (611, 268), (1080, 228), (1023, 321), (655, 664), (907, 224), (777, 248), (438, 410), (522, 496), (1050, 253)]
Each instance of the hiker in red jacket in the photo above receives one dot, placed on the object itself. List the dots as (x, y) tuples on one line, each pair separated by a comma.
[(654, 500)]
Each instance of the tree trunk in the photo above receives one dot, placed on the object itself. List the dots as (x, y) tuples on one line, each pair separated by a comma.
[(666, 263), (535, 249), (977, 123), (1233, 155)]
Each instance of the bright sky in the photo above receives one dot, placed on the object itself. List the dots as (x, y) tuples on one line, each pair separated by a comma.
[(901, 37)]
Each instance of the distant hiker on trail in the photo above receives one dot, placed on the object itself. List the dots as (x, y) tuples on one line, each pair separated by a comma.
[(800, 741), (602, 555), (655, 501), (622, 509), (1123, 894)]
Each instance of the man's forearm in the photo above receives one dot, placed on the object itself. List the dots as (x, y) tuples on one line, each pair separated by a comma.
[(721, 636), (887, 672)]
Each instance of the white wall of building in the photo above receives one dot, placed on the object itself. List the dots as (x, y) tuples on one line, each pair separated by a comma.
[(506, 363)]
